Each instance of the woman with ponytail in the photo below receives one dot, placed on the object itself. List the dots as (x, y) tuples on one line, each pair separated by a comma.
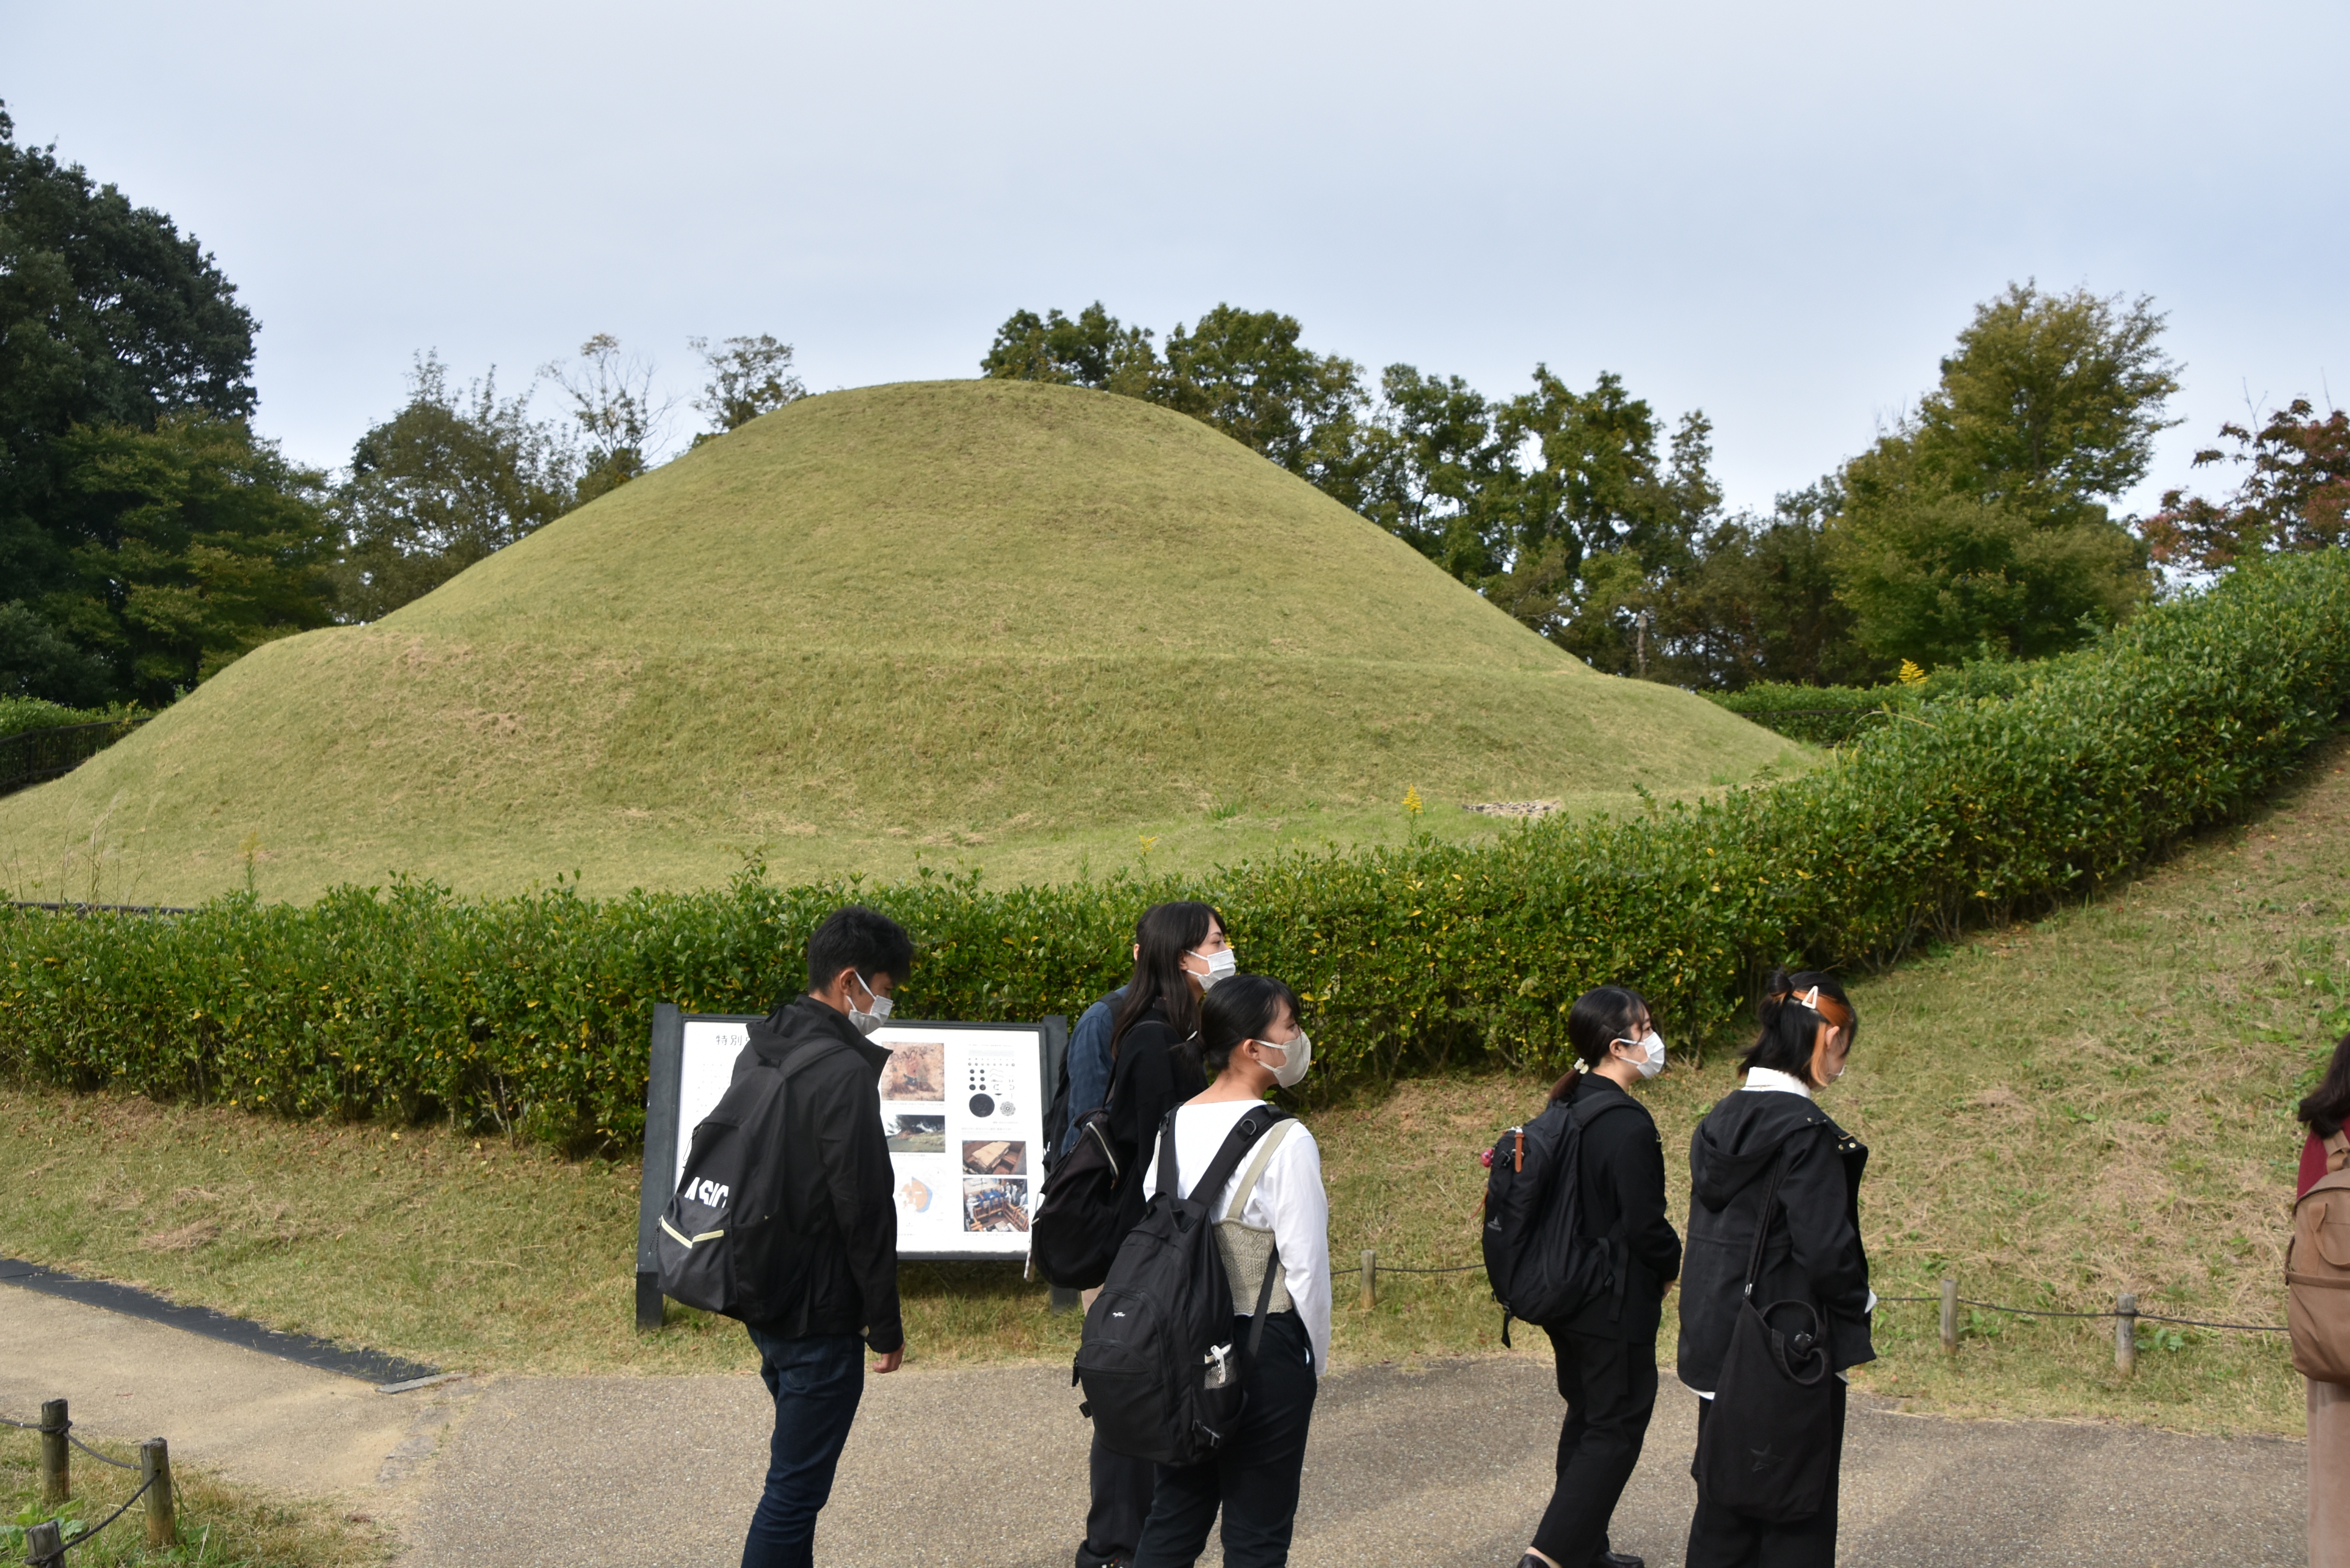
[(1766, 1161)]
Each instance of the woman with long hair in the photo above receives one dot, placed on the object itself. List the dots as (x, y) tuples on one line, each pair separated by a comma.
[(1607, 1353), (1180, 951), (1273, 1212), (2325, 1150), (1771, 1136)]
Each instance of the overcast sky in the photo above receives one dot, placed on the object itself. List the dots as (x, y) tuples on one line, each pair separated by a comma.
[(1780, 214)]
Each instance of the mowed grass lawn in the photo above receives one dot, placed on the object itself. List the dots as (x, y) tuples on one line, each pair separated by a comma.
[(2094, 1103)]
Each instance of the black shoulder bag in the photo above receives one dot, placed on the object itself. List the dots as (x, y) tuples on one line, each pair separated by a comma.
[(1769, 1441)]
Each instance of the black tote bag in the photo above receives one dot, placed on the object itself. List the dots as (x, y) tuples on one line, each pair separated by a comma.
[(1769, 1444)]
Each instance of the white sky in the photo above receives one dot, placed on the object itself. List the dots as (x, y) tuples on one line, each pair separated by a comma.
[(1780, 214)]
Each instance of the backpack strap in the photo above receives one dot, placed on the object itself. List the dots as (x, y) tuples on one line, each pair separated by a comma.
[(1265, 1146), (1762, 1226), (2337, 1150)]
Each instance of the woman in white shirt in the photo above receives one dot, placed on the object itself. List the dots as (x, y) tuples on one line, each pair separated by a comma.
[(1250, 1042)]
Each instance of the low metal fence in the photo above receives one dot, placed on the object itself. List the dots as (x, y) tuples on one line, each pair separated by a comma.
[(32, 756)]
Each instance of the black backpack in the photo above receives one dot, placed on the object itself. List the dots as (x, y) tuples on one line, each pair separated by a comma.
[(725, 1241), (1541, 1267), (1163, 1379), (1074, 1235)]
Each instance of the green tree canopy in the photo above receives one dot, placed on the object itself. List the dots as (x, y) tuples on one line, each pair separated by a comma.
[(443, 482), (1243, 372), (108, 317), (1979, 526), (191, 543)]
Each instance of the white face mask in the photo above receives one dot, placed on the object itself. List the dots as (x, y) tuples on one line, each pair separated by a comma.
[(1221, 965), (866, 1022), (1295, 1057), (1652, 1047)]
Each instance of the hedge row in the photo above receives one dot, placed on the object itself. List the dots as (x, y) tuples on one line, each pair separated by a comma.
[(1836, 715), (532, 1011), (18, 714)]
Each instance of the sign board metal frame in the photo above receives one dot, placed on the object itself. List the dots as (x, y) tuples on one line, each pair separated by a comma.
[(665, 1137)]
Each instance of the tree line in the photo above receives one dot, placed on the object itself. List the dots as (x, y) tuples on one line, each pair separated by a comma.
[(149, 536), (1979, 526)]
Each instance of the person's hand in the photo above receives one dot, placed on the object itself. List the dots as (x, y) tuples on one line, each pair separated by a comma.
[(890, 1362)]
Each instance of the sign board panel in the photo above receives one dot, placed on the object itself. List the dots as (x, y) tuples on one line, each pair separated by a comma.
[(962, 1111)]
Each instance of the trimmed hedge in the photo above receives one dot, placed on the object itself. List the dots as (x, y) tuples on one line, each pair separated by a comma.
[(18, 714), (532, 1011), (1834, 715)]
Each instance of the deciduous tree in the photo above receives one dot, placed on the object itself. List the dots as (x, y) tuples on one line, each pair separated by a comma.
[(2294, 494), (748, 377), (621, 418), (1978, 524), (444, 483)]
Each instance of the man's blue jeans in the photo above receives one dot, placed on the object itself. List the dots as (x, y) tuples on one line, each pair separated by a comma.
[(816, 1382)]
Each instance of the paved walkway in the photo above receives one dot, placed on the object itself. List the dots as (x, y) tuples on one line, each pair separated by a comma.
[(1448, 1465)]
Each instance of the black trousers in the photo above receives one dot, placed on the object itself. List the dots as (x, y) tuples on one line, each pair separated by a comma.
[(1610, 1389), (1254, 1477), (1122, 1488), (1721, 1539)]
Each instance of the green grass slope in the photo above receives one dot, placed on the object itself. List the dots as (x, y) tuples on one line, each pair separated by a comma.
[(1023, 624)]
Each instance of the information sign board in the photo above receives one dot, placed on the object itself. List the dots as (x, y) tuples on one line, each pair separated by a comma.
[(962, 1111)]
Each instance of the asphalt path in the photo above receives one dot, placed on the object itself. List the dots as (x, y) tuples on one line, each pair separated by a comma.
[(1446, 1464), (1438, 1465)]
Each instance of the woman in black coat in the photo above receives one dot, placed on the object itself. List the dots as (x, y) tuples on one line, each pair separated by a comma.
[(1814, 1252), (1607, 1353), (1180, 951)]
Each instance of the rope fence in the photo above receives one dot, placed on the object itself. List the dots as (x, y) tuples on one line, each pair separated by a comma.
[(2125, 1313), (46, 1544)]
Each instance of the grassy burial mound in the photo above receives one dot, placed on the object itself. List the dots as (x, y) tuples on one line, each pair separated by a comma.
[(993, 621)]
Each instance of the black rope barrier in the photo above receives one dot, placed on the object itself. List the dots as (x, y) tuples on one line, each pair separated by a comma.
[(110, 1518), (1399, 1268), (2141, 1316), (66, 1432)]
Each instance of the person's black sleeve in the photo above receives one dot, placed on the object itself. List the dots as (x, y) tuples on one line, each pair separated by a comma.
[(1820, 1231), (1635, 1157), (857, 1173)]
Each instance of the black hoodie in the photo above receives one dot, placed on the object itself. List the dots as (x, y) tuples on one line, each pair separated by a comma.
[(1814, 1252)]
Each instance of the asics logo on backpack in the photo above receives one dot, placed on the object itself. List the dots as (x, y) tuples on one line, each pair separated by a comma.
[(713, 1193)]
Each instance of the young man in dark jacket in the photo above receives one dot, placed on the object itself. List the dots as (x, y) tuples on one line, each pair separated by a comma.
[(838, 1191), (1607, 1353)]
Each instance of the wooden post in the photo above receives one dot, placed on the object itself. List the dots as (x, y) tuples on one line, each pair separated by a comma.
[(1949, 1316), (57, 1460), (2126, 1335), (162, 1520), (1370, 1278), (45, 1545)]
